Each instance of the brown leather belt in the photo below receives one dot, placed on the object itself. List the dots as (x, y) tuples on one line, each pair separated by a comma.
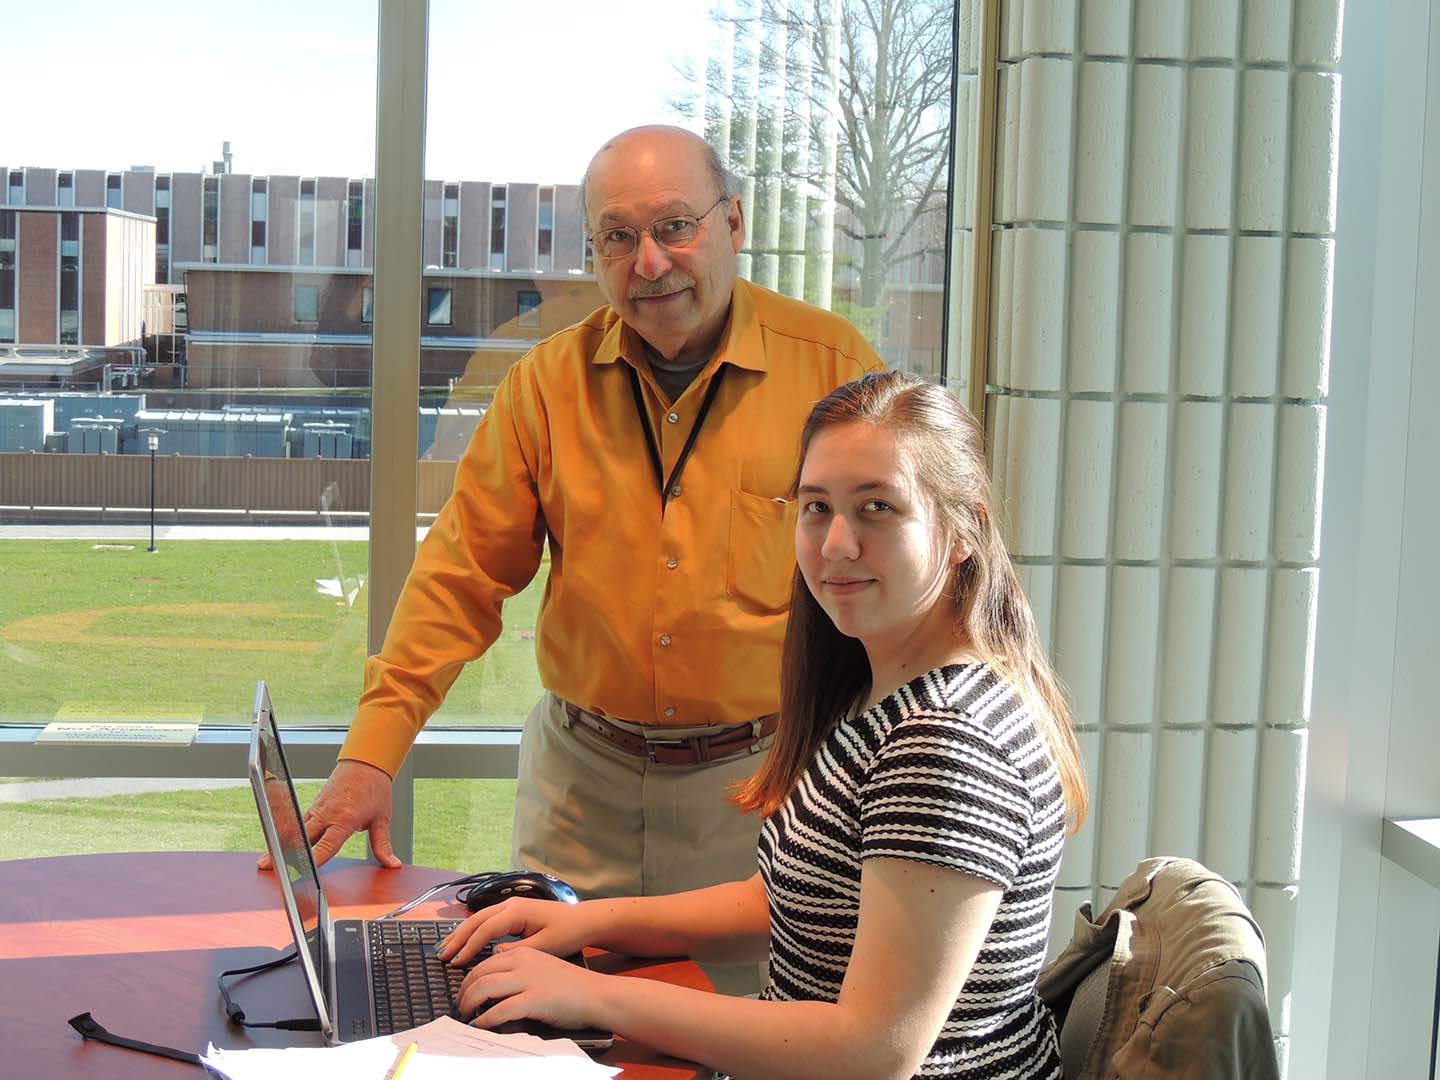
[(691, 750)]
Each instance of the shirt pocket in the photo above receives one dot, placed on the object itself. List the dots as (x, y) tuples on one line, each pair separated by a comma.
[(761, 558)]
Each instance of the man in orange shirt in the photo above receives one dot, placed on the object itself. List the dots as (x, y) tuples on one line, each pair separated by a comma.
[(651, 446)]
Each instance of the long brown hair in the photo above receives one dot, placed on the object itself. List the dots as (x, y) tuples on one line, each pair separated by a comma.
[(822, 671)]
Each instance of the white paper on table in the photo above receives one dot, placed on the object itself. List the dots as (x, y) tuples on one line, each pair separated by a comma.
[(445, 1049)]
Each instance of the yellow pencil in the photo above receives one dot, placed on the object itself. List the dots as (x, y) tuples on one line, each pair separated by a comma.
[(400, 1062)]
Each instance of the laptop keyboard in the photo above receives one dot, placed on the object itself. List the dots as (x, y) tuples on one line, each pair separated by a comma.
[(409, 984)]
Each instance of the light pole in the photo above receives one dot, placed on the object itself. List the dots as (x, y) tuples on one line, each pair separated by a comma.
[(153, 442)]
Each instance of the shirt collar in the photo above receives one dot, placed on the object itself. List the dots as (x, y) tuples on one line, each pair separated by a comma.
[(741, 344)]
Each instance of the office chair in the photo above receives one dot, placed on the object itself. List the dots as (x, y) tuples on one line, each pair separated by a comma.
[(1168, 984)]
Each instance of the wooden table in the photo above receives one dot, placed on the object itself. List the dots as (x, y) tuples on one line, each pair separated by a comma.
[(138, 940)]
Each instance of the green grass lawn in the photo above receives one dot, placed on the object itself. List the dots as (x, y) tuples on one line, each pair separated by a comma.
[(459, 824), (115, 632)]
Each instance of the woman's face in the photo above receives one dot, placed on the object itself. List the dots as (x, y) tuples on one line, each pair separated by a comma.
[(868, 543)]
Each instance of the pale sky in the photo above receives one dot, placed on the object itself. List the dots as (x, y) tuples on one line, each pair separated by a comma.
[(517, 91)]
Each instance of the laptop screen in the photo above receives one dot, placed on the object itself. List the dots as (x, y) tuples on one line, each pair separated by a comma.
[(285, 835)]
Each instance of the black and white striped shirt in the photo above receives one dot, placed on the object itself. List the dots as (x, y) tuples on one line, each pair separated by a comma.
[(948, 770)]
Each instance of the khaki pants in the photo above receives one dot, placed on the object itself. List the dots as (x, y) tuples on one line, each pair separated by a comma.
[(614, 824)]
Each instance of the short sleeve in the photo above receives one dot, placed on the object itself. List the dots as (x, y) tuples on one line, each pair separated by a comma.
[(943, 791)]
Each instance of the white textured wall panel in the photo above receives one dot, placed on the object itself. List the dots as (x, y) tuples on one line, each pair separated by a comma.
[(1160, 29), (1195, 482), (1140, 492), (1189, 646), (1265, 35), (1264, 121), (1308, 298), (1029, 462), (1123, 807), (1037, 335), (1100, 146), (1105, 27), (1180, 795), (1229, 801), (1214, 29), (1204, 314), (1047, 26), (1160, 354), (1297, 482), (1274, 909), (1209, 147), (1002, 321), (1077, 866), (1313, 168), (1249, 472), (1282, 778), (1085, 493), (1290, 647), (1094, 319), (1043, 165), (1155, 144), (1239, 647), (1317, 33), (1007, 141), (1132, 661), (1038, 581), (1148, 322), (1079, 649), (1255, 330)]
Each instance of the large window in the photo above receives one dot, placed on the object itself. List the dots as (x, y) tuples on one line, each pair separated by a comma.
[(252, 367), (213, 290)]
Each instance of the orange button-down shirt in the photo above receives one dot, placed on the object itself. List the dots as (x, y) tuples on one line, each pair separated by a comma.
[(672, 619)]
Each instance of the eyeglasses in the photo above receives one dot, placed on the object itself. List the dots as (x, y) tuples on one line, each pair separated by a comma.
[(677, 231)]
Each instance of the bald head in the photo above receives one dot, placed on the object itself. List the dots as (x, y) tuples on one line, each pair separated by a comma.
[(638, 139)]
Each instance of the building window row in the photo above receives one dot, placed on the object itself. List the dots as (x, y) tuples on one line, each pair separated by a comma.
[(306, 230), (450, 227), (210, 220), (497, 226), (355, 224), (69, 279), (259, 218), (7, 276), (162, 229)]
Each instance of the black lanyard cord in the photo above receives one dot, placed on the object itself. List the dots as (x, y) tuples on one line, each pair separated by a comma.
[(667, 486)]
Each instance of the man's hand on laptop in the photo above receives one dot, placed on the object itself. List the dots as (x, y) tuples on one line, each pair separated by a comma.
[(357, 796)]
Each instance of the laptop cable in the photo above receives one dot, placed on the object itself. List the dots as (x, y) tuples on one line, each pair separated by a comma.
[(90, 1028), (237, 1014)]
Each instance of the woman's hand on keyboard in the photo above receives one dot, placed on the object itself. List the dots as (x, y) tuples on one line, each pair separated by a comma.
[(546, 925), (524, 983)]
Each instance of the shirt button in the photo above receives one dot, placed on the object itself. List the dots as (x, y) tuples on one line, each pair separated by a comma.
[(673, 417), (670, 564), (670, 710), (664, 639), (675, 492)]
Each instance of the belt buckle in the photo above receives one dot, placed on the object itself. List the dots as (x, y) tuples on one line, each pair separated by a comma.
[(699, 746)]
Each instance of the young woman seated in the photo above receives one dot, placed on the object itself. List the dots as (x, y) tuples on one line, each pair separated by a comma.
[(915, 798)]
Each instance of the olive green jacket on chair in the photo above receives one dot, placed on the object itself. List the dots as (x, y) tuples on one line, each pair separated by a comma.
[(1185, 995)]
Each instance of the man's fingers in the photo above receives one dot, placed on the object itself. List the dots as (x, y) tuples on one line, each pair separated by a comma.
[(265, 862), (381, 846), (329, 844)]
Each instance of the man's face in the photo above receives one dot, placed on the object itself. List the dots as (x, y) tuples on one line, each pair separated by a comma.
[(677, 299)]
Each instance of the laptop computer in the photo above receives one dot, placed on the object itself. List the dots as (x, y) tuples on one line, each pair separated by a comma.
[(365, 977)]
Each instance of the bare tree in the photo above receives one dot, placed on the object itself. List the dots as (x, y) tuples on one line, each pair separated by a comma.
[(838, 102)]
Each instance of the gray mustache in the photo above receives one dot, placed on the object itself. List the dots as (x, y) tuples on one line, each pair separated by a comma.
[(669, 284)]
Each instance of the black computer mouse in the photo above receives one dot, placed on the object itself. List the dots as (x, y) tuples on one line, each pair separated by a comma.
[(528, 883)]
